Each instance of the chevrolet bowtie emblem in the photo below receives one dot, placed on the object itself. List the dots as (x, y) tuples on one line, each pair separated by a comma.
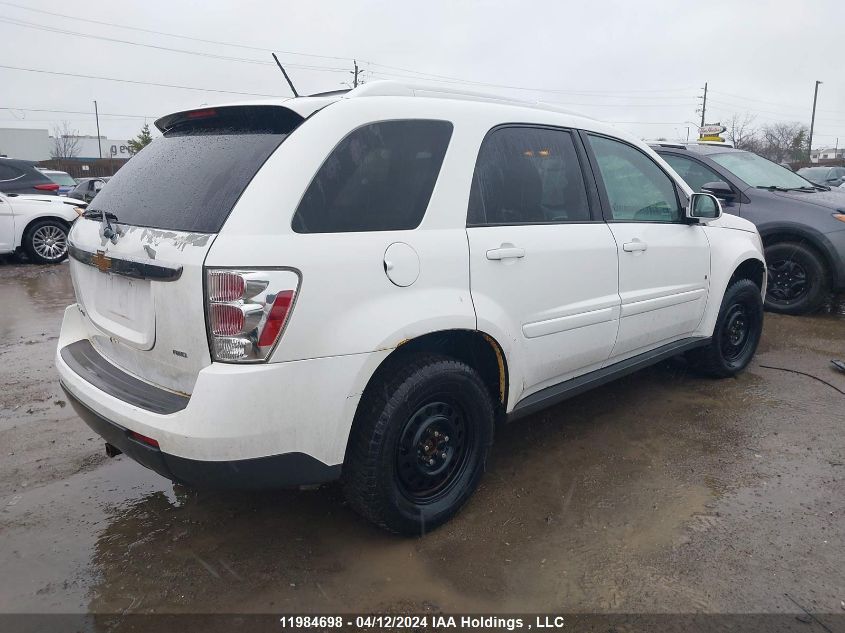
[(101, 261)]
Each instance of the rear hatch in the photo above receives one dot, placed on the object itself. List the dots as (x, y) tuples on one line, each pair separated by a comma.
[(142, 291)]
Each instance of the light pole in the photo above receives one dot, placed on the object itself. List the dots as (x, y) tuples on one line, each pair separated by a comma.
[(813, 123), (97, 117)]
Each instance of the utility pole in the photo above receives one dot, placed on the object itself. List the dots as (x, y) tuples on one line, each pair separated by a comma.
[(704, 105), (354, 73), (97, 117), (813, 123)]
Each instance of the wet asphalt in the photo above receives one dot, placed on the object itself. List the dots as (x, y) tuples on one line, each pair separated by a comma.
[(663, 492)]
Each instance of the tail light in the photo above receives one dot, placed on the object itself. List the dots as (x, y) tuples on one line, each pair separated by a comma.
[(247, 311), (47, 187)]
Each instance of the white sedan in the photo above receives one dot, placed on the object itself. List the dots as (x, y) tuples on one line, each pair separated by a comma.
[(38, 225)]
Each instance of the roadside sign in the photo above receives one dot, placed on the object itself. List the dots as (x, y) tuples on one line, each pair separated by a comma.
[(717, 139), (711, 129)]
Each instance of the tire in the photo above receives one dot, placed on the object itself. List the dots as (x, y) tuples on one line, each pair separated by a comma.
[(419, 444), (45, 242), (797, 279), (736, 335)]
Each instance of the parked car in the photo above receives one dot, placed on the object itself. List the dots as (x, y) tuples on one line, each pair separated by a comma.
[(828, 176), (63, 179), (38, 225), (21, 176), (802, 223), (87, 188), (434, 264)]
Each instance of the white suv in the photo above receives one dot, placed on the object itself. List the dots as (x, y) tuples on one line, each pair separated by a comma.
[(360, 285)]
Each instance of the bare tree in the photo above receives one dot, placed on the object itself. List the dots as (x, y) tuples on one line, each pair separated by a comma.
[(784, 141), (742, 133), (65, 142)]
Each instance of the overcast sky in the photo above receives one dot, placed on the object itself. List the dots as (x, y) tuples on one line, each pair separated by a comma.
[(640, 63)]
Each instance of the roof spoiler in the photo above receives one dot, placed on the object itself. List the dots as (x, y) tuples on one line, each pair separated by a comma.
[(274, 119)]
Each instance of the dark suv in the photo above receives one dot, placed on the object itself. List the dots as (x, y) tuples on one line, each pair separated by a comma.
[(21, 176), (802, 224), (827, 176), (87, 188)]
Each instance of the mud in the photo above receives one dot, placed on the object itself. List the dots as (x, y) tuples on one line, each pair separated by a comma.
[(663, 493)]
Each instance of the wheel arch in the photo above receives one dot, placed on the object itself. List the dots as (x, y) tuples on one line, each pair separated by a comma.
[(753, 269), (34, 220), (808, 238), (477, 349)]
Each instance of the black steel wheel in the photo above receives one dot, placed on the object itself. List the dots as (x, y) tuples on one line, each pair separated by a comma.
[(797, 280), (736, 335), (433, 450), (736, 332), (419, 443)]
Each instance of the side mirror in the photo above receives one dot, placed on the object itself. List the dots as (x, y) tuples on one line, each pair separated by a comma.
[(703, 207), (720, 189)]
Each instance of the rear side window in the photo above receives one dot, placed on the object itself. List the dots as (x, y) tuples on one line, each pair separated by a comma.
[(527, 176), (7, 172), (190, 179), (694, 173), (379, 178)]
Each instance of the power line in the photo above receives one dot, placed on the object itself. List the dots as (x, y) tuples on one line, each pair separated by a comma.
[(50, 29), (132, 116), (769, 102), (409, 73), (176, 35), (142, 83), (444, 79), (781, 115)]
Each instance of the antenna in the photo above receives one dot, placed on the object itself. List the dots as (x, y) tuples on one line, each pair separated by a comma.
[(282, 68)]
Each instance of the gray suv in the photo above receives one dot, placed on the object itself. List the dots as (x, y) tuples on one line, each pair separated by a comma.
[(802, 224)]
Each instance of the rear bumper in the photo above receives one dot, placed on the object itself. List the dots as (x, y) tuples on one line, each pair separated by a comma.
[(244, 426), (275, 471)]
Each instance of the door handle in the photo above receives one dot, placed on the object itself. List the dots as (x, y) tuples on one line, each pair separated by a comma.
[(506, 252), (635, 246)]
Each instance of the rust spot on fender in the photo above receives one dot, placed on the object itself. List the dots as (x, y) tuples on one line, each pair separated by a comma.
[(501, 362)]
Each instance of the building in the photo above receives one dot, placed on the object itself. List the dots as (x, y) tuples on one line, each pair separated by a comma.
[(111, 148), (37, 145), (829, 153), (25, 143)]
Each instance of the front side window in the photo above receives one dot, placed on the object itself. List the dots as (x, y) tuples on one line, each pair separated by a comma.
[(694, 173), (527, 176), (759, 172), (637, 189), (379, 178)]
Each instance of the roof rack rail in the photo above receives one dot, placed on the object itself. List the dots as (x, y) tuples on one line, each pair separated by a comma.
[(391, 88), (672, 144)]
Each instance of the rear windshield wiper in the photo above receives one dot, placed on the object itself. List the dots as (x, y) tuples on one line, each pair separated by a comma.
[(97, 214), (106, 218)]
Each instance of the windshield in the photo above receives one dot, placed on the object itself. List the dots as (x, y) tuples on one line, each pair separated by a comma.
[(759, 172), (62, 178)]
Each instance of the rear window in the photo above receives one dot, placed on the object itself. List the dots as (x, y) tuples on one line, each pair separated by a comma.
[(379, 178), (190, 179)]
